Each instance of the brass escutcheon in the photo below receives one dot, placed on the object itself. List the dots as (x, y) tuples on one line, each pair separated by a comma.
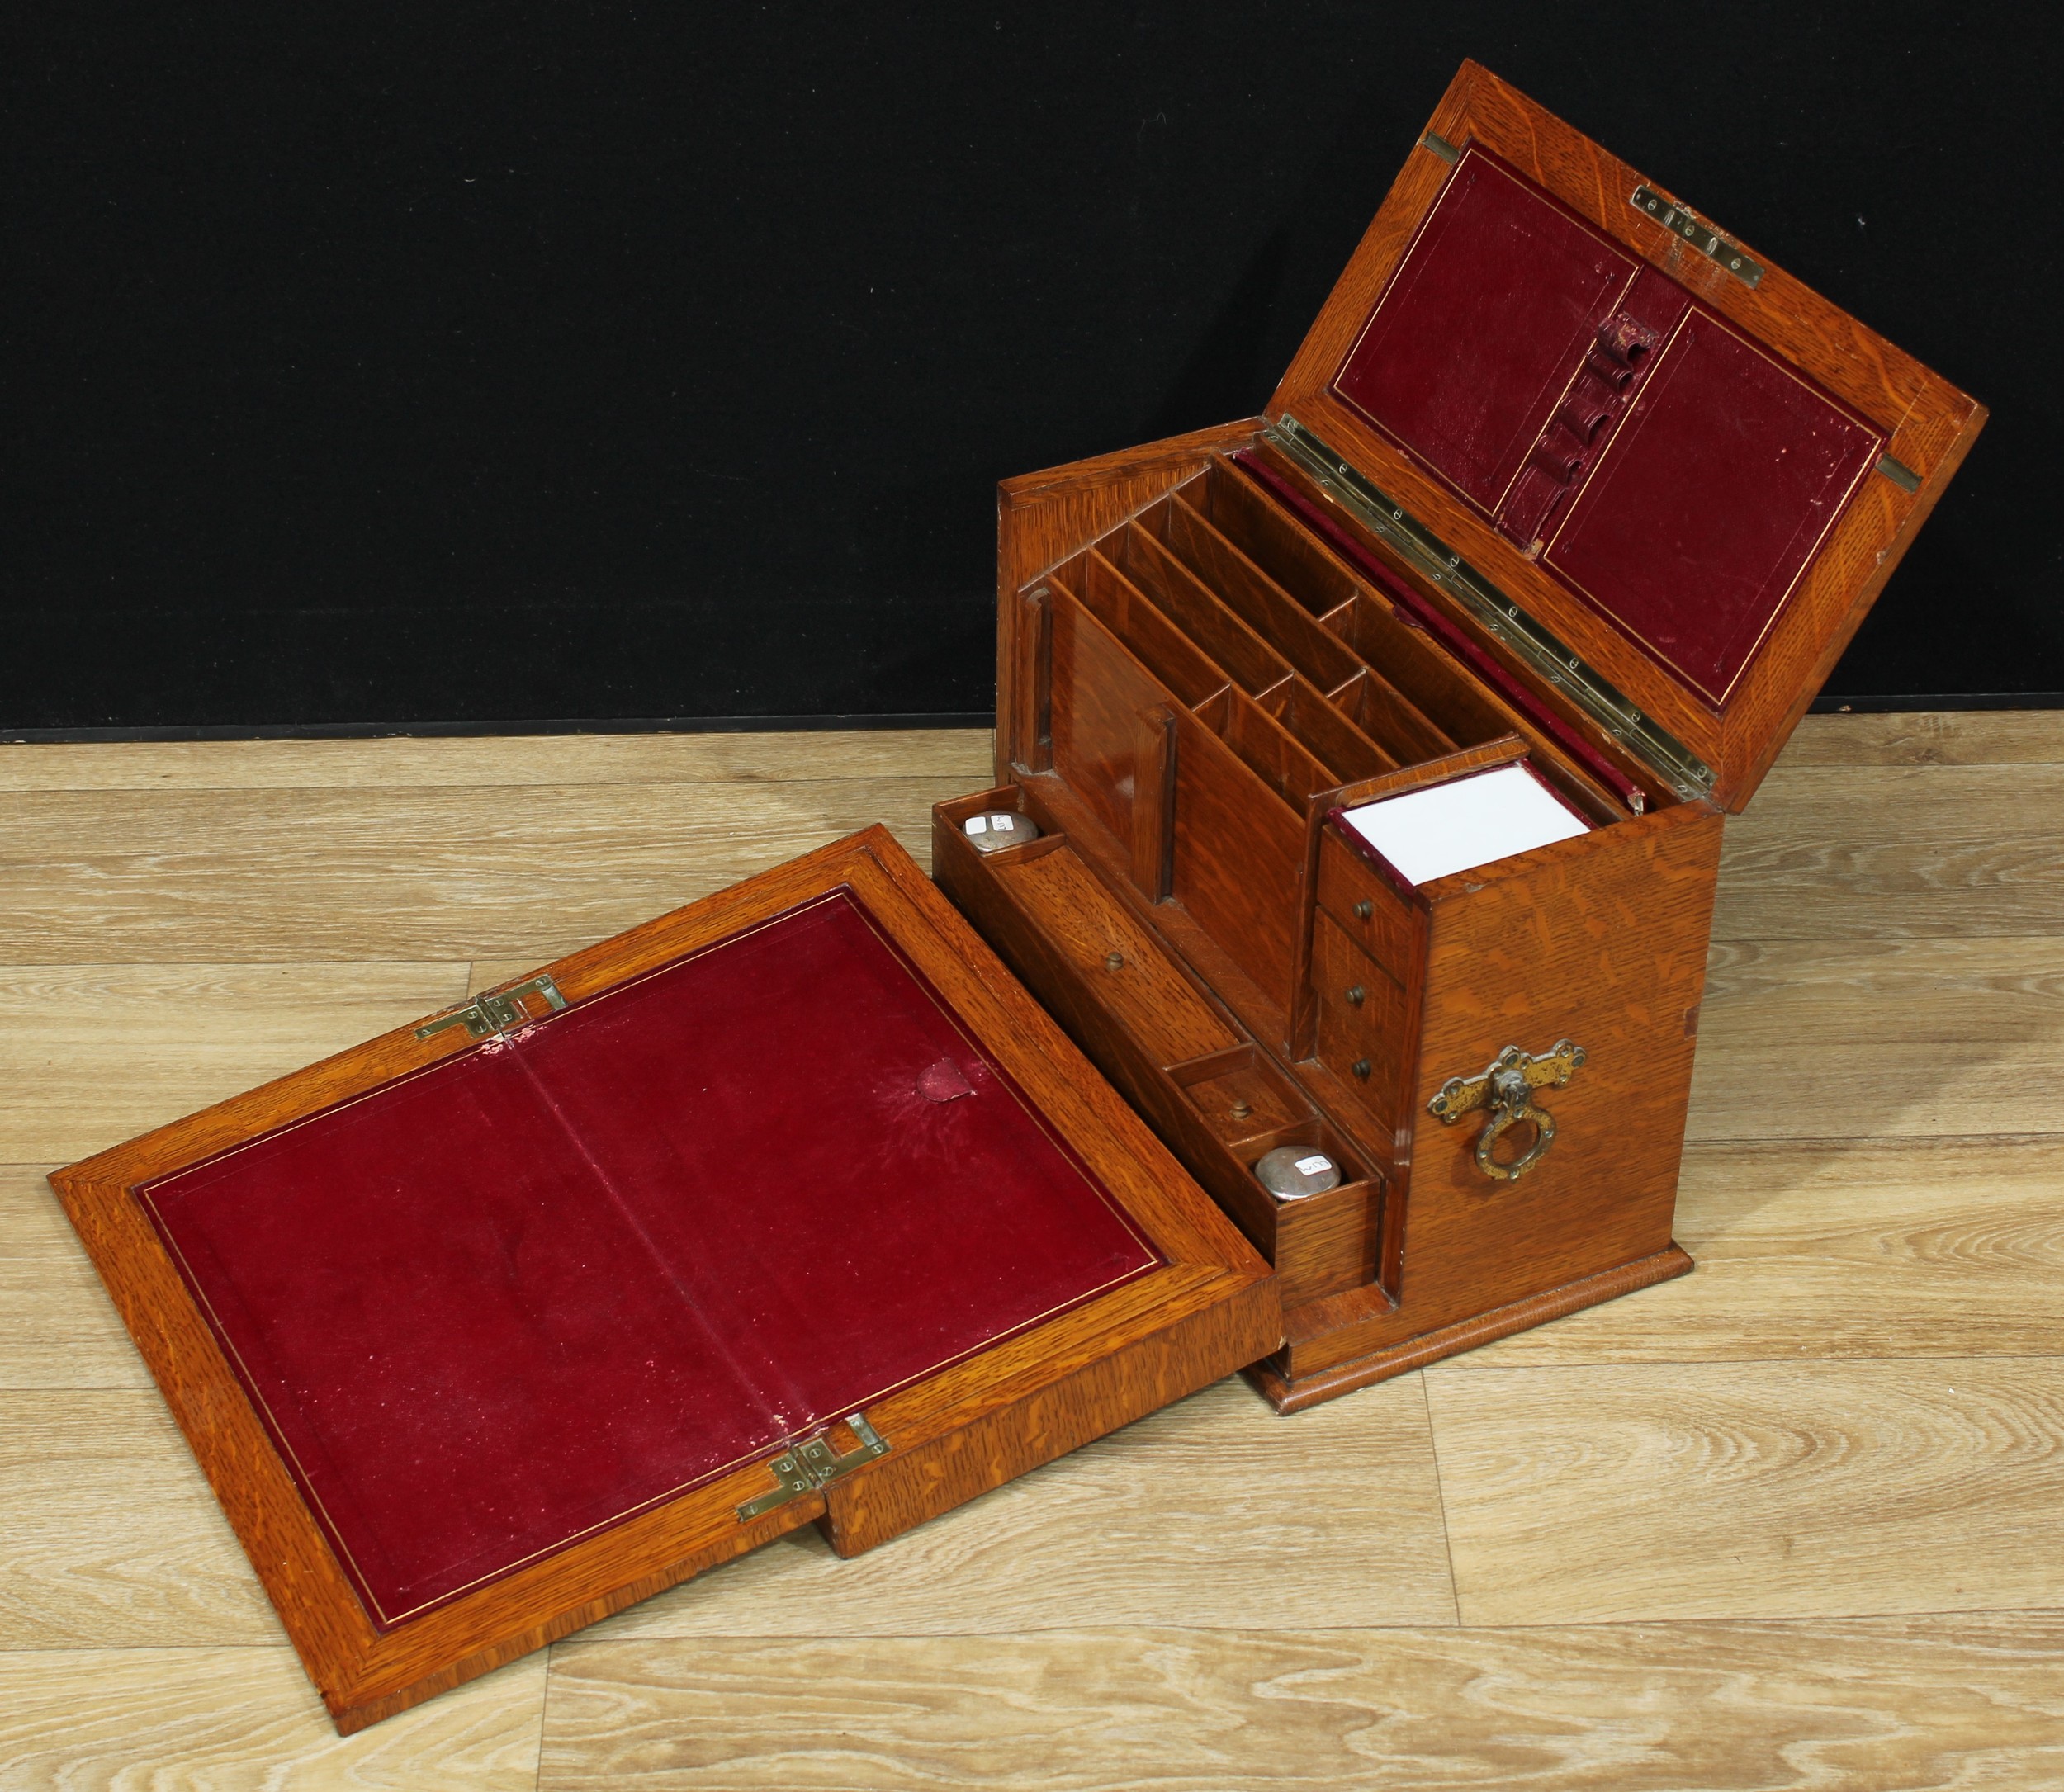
[(1506, 1088)]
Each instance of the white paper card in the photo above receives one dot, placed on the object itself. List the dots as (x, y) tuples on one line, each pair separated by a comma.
[(1313, 1167), (978, 824), (1465, 823)]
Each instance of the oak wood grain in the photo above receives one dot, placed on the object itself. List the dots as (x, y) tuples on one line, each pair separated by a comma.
[(1721, 1707), (1639, 1491), (1208, 1308), (1924, 421), (240, 1720), (1845, 1250)]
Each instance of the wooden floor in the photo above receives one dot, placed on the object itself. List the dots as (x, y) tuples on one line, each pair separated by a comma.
[(1795, 1521)]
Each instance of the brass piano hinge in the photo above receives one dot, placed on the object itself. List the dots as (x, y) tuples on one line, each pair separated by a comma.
[(1701, 236), (1667, 757), (501, 1011), (809, 1466)]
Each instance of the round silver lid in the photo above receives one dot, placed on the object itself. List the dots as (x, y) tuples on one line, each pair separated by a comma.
[(1290, 1171), (999, 828)]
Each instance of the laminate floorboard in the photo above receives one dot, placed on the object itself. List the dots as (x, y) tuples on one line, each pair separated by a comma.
[(1643, 1708), (1794, 1520)]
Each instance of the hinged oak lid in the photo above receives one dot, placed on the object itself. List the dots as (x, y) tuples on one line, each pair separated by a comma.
[(1655, 467)]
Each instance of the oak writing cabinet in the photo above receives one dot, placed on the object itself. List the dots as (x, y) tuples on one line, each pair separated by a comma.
[(1564, 483)]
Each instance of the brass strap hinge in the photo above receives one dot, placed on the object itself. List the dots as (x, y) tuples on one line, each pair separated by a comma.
[(808, 1467), (502, 1011)]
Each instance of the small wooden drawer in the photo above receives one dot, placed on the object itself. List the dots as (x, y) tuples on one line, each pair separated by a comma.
[(1363, 1028), (1372, 914)]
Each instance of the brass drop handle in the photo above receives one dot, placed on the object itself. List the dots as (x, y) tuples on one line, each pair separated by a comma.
[(1505, 1089)]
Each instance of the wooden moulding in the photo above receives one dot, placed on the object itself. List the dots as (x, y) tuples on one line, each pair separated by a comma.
[(1208, 1308)]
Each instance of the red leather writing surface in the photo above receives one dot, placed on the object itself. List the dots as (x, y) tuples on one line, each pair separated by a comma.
[(1674, 476), (1716, 492), (555, 1279), (1482, 327)]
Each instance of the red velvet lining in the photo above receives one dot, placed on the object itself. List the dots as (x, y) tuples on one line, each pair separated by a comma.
[(1675, 476), (555, 1279)]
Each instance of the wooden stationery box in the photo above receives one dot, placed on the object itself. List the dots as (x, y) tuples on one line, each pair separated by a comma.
[(1566, 483), (789, 1206)]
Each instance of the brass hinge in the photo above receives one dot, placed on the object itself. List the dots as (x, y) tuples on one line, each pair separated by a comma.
[(501, 1011), (1687, 225), (1667, 757), (808, 1467)]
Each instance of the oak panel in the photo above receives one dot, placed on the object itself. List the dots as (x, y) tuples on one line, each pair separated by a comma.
[(244, 1720), (1213, 1512), (92, 1053), (1724, 1708), (1643, 1492)]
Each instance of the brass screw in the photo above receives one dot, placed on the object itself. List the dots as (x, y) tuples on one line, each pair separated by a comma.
[(1356, 995), (1114, 961), (1364, 909), (1360, 1067)]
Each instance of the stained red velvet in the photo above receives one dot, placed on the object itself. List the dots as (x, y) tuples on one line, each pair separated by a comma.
[(1675, 477), (1469, 350), (1714, 496), (552, 1280)]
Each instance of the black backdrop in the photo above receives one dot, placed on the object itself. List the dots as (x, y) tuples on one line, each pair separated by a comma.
[(528, 364)]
